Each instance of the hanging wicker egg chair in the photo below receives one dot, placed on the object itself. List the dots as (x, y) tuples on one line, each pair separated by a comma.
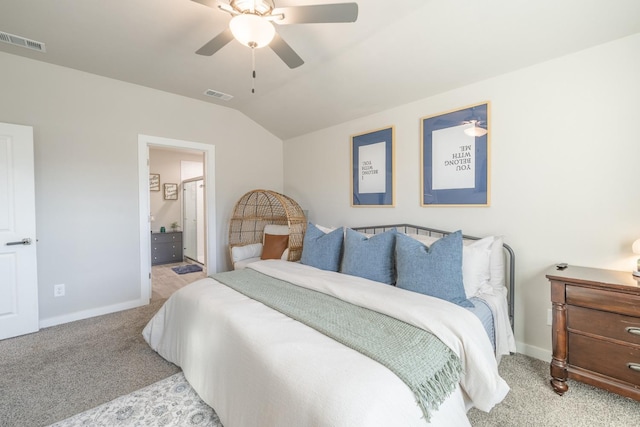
[(258, 208)]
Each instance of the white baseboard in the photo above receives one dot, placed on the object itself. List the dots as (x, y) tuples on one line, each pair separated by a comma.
[(85, 314), (535, 352)]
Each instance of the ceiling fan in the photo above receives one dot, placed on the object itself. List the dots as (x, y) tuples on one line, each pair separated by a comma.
[(252, 24)]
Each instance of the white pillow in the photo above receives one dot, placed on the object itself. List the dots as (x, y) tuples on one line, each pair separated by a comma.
[(476, 267), (498, 279), (426, 240), (276, 230), (325, 230), (496, 265), (238, 253)]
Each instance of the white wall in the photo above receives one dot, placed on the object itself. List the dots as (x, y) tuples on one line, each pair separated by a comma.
[(565, 148), (86, 131)]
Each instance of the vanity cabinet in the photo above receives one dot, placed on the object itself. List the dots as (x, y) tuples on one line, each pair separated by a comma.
[(595, 329), (166, 247)]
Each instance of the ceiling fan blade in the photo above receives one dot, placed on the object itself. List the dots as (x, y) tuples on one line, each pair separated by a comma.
[(216, 43), (285, 52), (210, 3), (217, 4), (317, 14)]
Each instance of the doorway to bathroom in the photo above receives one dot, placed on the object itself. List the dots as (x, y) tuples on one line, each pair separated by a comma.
[(164, 165)]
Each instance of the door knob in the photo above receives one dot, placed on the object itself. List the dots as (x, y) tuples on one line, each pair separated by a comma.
[(26, 241)]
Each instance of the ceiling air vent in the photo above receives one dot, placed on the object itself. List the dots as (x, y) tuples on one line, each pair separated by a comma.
[(21, 41), (219, 95)]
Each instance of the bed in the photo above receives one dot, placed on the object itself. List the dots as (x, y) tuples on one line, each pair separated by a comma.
[(243, 352)]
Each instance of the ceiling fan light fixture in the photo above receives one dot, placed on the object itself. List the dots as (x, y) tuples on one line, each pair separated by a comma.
[(475, 130), (252, 30)]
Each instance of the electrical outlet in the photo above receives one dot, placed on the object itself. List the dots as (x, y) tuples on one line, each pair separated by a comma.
[(549, 317), (58, 290)]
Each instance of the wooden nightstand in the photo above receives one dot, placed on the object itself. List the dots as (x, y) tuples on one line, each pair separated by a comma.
[(596, 329)]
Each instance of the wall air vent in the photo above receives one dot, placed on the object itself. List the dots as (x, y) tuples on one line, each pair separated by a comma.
[(219, 95), (21, 41)]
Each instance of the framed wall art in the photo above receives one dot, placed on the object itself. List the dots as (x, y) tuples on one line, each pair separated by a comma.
[(372, 168), (171, 191), (455, 160), (154, 182)]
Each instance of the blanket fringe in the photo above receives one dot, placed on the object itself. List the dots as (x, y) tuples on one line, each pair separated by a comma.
[(431, 394)]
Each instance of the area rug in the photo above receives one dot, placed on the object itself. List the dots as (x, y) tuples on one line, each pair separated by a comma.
[(169, 403), (184, 269)]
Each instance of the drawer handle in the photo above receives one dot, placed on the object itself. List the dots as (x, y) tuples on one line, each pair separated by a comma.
[(634, 366), (634, 331)]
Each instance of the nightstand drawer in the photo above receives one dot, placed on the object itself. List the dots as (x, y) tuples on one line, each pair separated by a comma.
[(618, 302), (604, 324), (613, 360)]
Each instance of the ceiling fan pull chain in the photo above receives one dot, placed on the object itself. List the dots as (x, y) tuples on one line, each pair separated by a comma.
[(253, 69)]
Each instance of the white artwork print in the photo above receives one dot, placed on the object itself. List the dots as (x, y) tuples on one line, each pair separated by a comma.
[(454, 159), (372, 172)]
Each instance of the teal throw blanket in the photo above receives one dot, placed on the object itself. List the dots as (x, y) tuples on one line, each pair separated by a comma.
[(428, 367)]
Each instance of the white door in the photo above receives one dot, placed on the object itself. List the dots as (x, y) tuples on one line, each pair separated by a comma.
[(18, 264)]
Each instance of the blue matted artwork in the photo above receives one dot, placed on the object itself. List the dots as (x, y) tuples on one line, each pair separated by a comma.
[(372, 170), (455, 158)]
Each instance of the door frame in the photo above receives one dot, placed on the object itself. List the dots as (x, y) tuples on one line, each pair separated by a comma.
[(144, 142)]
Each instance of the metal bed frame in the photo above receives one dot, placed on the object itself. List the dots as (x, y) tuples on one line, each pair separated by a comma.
[(417, 229)]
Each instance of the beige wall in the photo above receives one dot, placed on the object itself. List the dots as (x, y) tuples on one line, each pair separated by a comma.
[(564, 170), (86, 131), (167, 163)]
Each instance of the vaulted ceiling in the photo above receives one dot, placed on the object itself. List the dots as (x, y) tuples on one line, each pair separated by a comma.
[(396, 52)]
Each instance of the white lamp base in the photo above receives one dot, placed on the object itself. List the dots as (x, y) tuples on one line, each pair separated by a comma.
[(636, 273)]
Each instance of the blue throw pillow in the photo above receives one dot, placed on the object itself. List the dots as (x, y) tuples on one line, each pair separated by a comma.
[(371, 258), (435, 270), (322, 250)]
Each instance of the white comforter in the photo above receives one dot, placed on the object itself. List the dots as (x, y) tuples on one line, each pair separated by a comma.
[(257, 367)]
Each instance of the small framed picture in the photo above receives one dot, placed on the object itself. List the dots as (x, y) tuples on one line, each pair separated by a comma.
[(154, 182), (372, 170), (171, 191)]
